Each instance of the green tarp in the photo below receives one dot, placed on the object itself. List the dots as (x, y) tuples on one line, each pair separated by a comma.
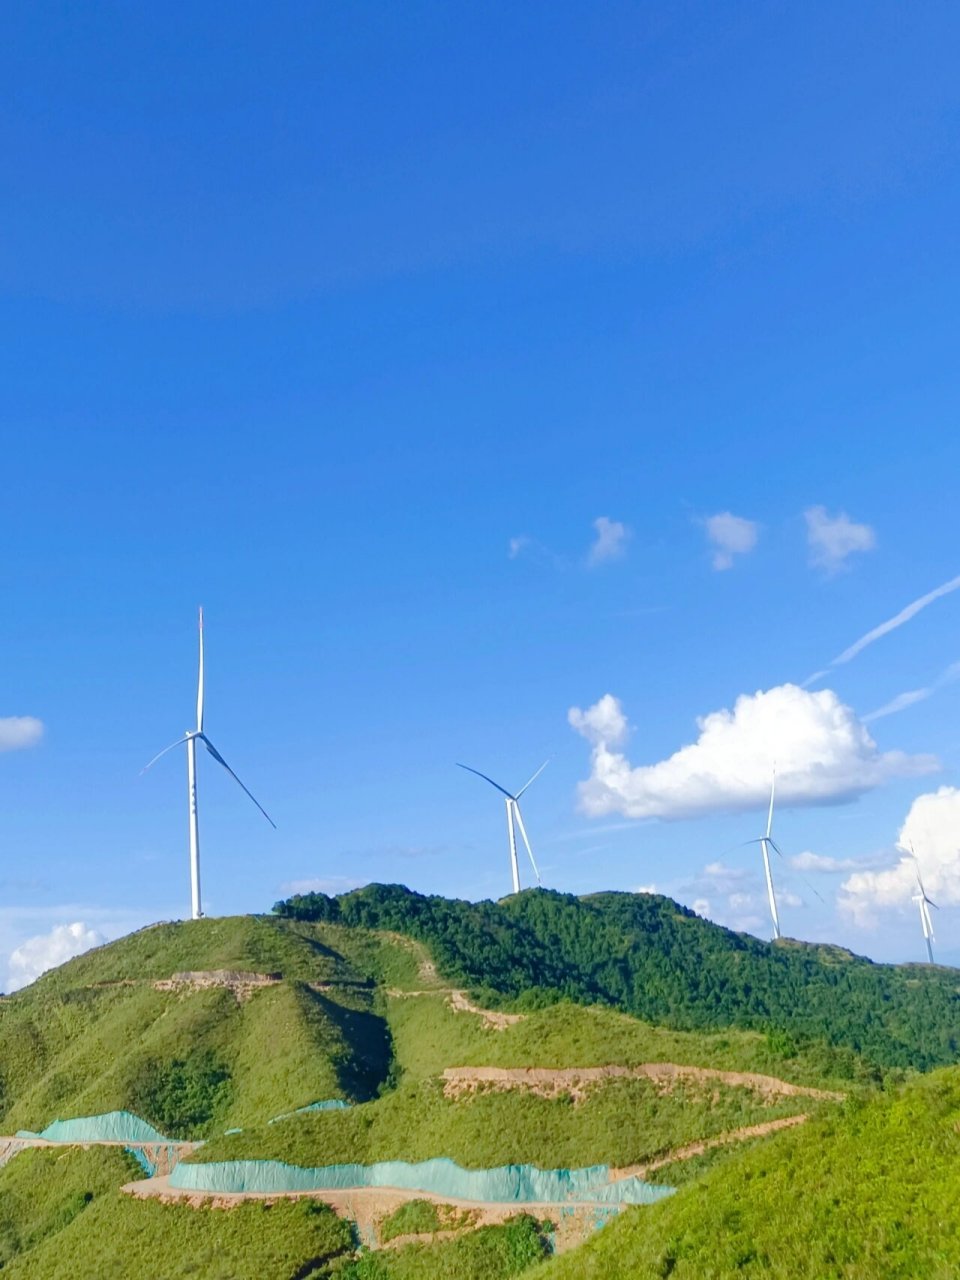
[(509, 1184), (114, 1126), (330, 1104)]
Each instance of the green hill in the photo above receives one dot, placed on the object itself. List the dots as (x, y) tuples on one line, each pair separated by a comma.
[(218, 1025), (110, 1030), (655, 959)]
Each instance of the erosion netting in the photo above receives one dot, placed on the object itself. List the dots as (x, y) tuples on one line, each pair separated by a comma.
[(509, 1184)]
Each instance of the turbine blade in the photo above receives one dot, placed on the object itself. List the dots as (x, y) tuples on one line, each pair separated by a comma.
[(533, 779), (523, 832), (179, 743), (773, 791), (803, 880), (200, 680), (220, 760), (502, 790)]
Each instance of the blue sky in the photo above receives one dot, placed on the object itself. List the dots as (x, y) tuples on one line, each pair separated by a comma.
[(349, 323)]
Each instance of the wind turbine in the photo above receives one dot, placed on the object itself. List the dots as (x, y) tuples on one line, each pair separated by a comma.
[(766, 842), (923, 902), (514, 820), (191, 738)]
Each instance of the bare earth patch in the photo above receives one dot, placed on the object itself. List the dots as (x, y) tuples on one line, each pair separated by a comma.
[(242, 985), (575, 1081)]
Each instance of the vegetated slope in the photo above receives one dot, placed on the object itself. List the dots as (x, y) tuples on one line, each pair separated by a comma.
[(336, 1011), (492, 1253), (109, 1031), (43, 1192), (659, 961), (867, 1191), (117, 1238), (615, 1120)]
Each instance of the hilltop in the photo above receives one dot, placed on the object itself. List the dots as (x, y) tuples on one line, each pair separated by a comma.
[(196, 1027), (649, 956)]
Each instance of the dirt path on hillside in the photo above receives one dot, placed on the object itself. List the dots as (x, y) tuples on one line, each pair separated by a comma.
[(164, 1156), (707, 1144), (368, 1206), (575, 1081), (460, 1002)]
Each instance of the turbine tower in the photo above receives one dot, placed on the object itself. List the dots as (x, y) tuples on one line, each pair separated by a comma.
[(190, 738), (514, 820), (923, 902)]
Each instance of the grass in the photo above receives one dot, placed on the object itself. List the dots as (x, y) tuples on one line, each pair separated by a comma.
[(869, 1190), (428, 1037), (119, 1238), (95, 1035), (42, 1192), (491, 1252), (621, 1122), (416, 1217)]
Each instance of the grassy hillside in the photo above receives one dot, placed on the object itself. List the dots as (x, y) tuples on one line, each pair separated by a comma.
[(620, 1122), (649, 956), (85, 1229), (370, 1015), (98, 1035), (864, 1192), (43, 1192), (501, 1252)]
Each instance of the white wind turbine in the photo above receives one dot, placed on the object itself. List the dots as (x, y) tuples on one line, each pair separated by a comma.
[(923, 902), (191, 737), (766, 842), (513, 820)]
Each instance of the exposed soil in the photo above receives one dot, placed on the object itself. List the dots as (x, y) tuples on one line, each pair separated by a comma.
[(242, 985), (574, 1082)]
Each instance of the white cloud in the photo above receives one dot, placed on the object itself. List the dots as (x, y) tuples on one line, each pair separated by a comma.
[(518, 545), (808, 862), (730, 536), (47, 950), (932, 829), (834, 539), (644, 888), (610, 542), (701, 906), (823, 755), (718, 876), (17, 732), (603, 723)]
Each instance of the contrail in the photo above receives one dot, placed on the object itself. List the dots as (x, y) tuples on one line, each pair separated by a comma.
[(913, 696), (897, 621)]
